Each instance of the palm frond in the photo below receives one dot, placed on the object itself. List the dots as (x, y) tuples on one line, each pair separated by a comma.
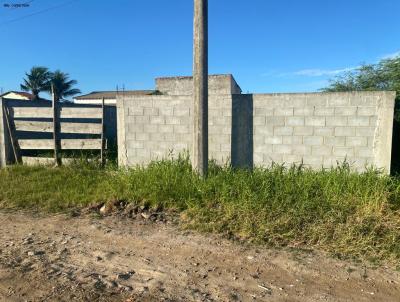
[(36, 80), (25, 88), (63, 86)]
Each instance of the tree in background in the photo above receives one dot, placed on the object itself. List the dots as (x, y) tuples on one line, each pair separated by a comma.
[(63, 86), (36, 81), (384, 75)]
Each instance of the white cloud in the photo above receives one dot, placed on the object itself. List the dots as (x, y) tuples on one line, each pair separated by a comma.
[(313, 72), (391, 55), (319, 72), (322, 72)]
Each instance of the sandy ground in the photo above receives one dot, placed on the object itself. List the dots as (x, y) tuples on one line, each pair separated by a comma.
[(63, 258)]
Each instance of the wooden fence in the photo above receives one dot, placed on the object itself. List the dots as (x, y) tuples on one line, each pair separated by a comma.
[(55, 126)]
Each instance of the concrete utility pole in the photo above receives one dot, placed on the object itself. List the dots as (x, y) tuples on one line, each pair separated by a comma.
[(200, 86)]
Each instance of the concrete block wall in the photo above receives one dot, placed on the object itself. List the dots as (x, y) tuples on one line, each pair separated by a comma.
[(158, 126), (321, 129), (316, 129), (217, 84)]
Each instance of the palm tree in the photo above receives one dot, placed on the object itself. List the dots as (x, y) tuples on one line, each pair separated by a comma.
[(62, 85), (36, 81)]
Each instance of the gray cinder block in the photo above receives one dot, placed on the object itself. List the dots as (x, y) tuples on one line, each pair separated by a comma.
[(319, 129)]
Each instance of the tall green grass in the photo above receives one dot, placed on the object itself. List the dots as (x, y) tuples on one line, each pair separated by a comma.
[(336, 210)]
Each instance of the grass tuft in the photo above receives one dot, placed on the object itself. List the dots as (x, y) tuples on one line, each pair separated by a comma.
[(336, 210)]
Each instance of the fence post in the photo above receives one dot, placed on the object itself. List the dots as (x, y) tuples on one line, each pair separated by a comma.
[(3, 148), (11, 134), (103, 141), (56, 124)]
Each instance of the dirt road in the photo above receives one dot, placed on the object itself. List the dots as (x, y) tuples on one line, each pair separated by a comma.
[(61, 258)]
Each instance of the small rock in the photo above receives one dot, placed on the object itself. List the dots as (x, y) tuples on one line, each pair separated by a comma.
[(95, 226), (107, 209), (234, 296), (94, 207), (99, 284), (146, 215), (111, 207), (267, 289), (125, 288), (125, 276), (35, 253), (27, 241), (54, 269), (142, 290), (110, 284), (103, 210), (95, 275), (75, 213), (131, 210), (62, 251)]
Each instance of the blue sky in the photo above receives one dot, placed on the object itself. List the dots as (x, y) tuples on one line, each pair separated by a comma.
[(268, 45)]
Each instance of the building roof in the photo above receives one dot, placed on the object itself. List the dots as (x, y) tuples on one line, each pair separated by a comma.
[(95, 95), (25, 96), (21, 93)]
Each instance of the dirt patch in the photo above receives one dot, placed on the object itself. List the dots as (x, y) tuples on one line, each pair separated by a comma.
[(62, 258)]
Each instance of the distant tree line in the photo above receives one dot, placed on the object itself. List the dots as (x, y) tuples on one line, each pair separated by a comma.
[(40, 79)]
